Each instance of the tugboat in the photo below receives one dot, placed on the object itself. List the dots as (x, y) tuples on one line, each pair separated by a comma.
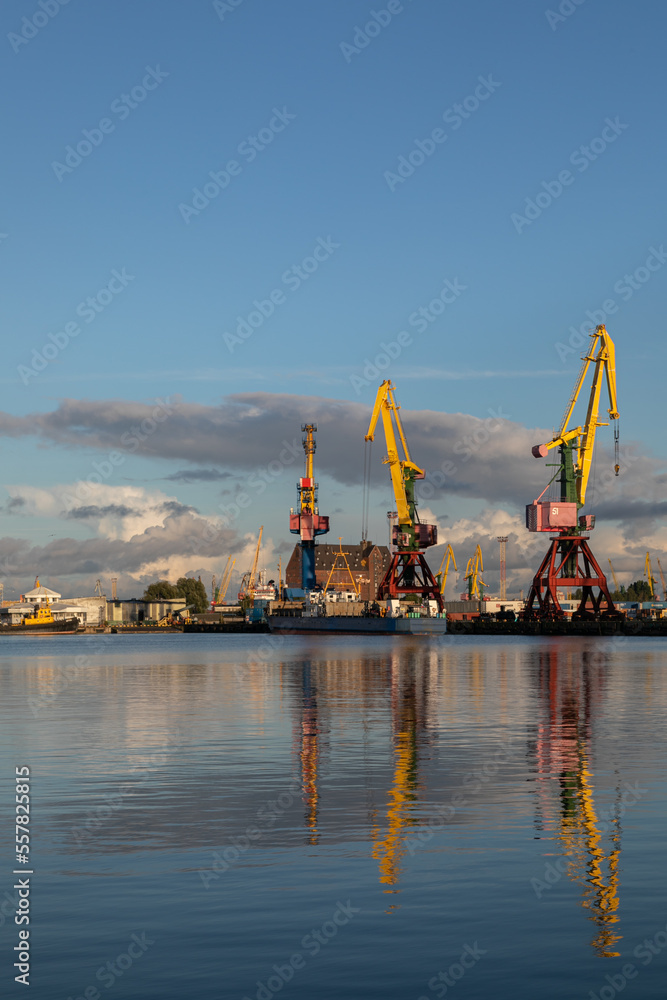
[(42, 622)]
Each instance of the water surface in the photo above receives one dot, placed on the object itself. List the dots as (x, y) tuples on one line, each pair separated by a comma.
[(346, 818)]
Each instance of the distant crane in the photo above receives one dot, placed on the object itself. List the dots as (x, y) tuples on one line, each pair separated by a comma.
[(616, 586), (221, 589), (306, 521), (569, 561), (408, 572), (662, 578), (441, 576), (225, 583), (473, 575), (98, 589), (649, 574), (248, 581)]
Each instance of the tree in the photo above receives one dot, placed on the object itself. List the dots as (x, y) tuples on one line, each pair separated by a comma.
[(194, 593), (639, 591), (160, 591)]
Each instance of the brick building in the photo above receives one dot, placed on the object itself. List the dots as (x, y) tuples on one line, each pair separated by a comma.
[(368, 564)]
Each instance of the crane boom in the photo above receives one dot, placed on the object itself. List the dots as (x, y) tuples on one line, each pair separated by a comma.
[(253, 571), (613, 573), (400, 470), (662, 578), (224, 583), (649, 574), (582, 439), (248, 581), (442, 577)]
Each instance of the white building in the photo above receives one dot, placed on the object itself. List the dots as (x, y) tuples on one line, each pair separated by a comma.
[(89, 610)]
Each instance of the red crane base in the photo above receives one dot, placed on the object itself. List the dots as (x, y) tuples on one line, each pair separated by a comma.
[(569, 563), (409, 573)]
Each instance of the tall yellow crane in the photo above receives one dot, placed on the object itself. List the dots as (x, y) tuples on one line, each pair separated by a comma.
[(248, 582), (569, 561), (408, 571), (441, 576), (662, 579), (473, 575), (579, 441), (649, 574), (613, 573)]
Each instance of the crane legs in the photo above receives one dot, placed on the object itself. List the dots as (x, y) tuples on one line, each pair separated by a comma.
[(568, 563)]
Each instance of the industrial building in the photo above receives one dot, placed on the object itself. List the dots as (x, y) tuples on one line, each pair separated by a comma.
[(135, 610)]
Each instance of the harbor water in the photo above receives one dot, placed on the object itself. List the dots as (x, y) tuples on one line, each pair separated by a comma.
[(345, 818)]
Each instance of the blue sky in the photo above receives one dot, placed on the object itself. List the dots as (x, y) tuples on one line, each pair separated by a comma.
[(579, 92)]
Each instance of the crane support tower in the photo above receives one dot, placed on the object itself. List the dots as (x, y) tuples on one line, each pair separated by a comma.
[(306, 521), (408, 571), (503, 566), (569, 561)]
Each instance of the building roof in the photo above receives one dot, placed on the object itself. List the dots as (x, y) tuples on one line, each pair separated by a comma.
[(41, 592), (357, 555)]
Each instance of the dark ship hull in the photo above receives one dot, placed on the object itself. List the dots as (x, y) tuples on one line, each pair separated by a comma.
[(68, 626)]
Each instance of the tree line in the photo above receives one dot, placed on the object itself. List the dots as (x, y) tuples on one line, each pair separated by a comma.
[(193, 591)]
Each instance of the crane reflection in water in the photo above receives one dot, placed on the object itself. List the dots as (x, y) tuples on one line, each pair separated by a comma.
[(307, 737), (570, 690)]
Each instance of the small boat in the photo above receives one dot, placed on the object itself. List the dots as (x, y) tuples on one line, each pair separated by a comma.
[(42, 622)]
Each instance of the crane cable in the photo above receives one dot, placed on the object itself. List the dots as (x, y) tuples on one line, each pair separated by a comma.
[(365, 498)]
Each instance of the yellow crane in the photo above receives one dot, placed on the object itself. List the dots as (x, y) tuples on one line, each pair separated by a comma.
[(221, 591), (579, 441), (441, 576), (569, 561), (662, 578), (649, 574), (473, 575), (408, 572), (248, 582), (613, 573)]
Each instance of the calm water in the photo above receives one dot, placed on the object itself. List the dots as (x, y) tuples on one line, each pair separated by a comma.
[(347, 818)]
